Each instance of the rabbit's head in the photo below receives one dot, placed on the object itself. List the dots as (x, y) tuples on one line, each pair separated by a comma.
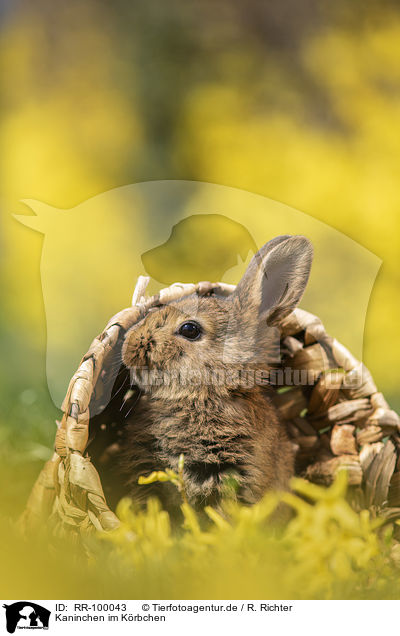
[(188, 340)]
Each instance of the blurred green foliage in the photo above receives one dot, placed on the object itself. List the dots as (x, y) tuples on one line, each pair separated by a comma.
[(326, 551), (300, 105)]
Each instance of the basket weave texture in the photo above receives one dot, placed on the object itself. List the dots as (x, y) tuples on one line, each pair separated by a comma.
[(339, 421)]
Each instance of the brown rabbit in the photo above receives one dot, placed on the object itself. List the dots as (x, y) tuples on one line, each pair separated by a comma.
[(219, 426)]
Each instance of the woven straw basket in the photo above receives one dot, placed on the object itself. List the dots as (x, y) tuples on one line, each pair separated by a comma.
[(340, 421)]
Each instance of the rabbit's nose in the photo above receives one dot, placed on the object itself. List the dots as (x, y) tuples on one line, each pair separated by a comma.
[(138, 349), (146, 345)]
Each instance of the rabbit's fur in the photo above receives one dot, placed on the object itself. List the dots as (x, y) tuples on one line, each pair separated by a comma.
[(221, 426)]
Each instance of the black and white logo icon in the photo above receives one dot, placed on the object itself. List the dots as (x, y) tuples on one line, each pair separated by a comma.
[(26, 615)]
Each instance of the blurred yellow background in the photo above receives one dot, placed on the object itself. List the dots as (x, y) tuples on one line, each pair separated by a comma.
[(298, 102)]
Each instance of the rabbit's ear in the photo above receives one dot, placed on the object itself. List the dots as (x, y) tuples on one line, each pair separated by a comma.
[(276, 278)]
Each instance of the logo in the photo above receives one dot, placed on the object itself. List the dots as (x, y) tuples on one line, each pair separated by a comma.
[(179, 231), (26, 615)]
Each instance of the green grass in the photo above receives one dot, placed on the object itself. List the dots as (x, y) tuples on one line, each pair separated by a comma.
[(326, 551)]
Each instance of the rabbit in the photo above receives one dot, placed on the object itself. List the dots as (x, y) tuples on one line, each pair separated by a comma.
[(225, 427)]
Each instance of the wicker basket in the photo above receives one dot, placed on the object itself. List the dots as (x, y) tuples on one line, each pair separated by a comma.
[(340, 421)]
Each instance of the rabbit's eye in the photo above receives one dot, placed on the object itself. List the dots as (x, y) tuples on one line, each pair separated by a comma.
[(190, 330)]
